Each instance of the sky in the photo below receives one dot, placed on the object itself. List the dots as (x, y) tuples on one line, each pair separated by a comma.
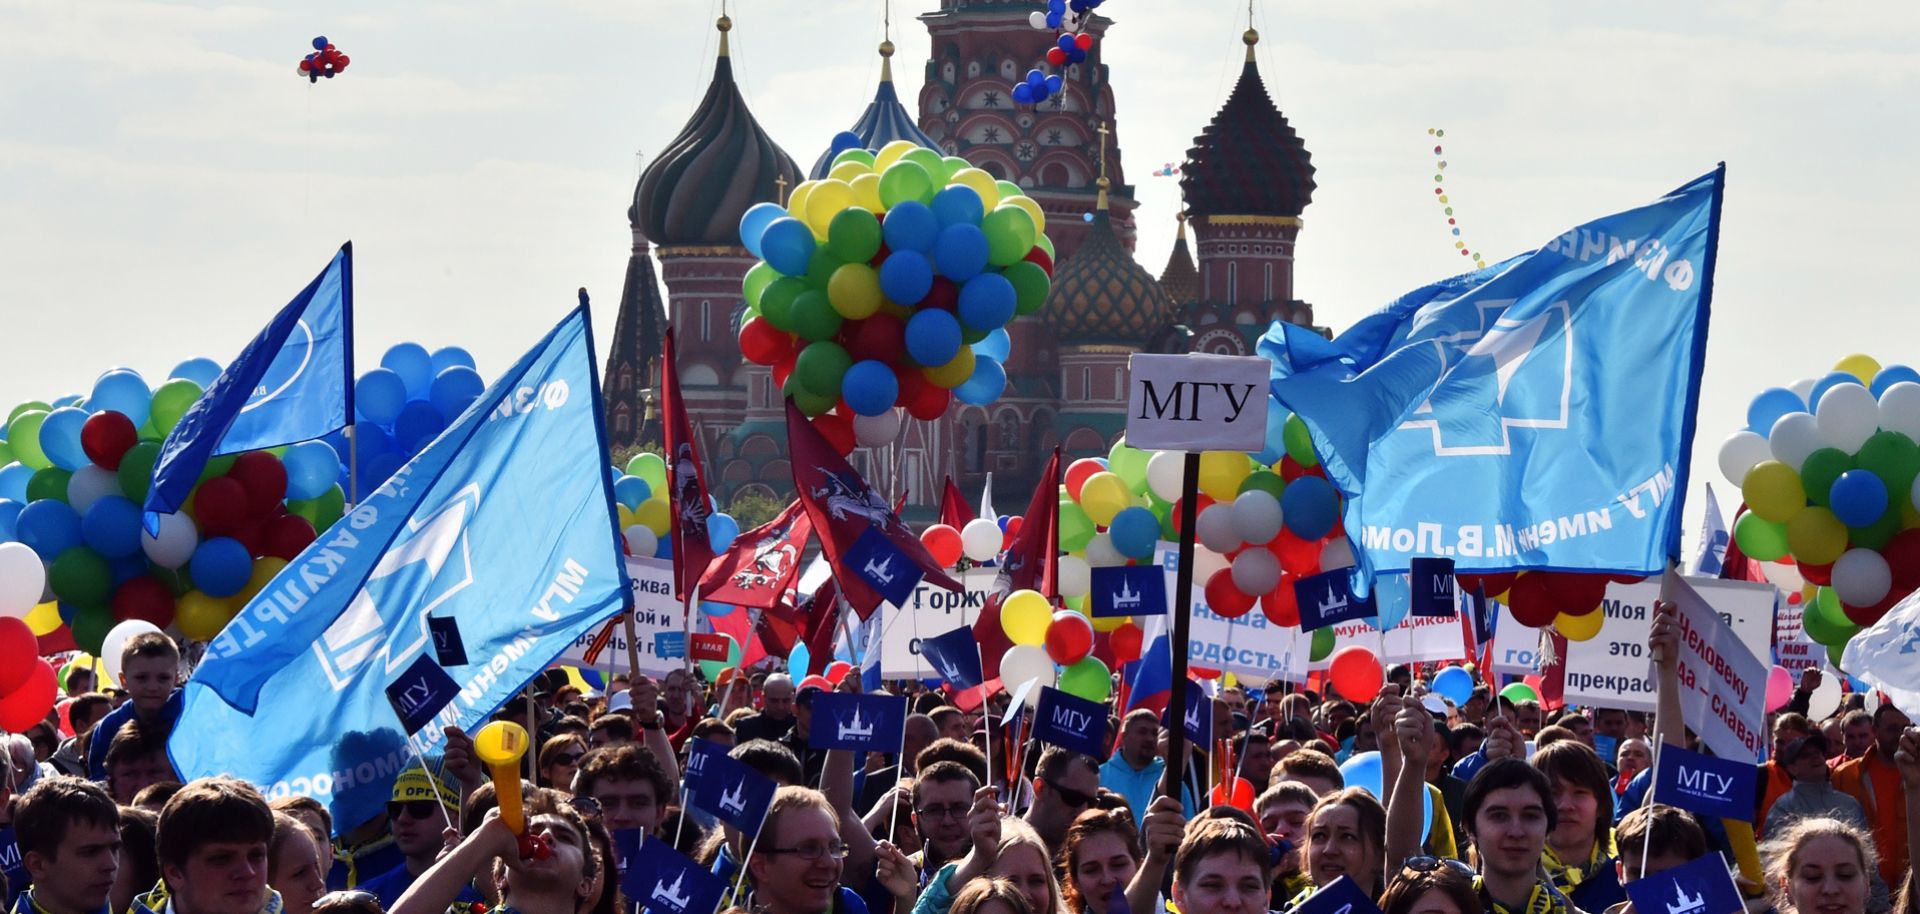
[(167, 180)]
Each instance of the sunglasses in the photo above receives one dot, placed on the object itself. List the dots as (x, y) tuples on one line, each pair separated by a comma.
[(419, 809), (1427, 864), (571, 758), (1072, 797)]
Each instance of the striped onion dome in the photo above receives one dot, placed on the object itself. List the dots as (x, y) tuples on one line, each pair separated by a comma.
[(885, 119), (1101, 296)]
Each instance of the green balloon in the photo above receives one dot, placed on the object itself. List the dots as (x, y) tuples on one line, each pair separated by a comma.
[(1876, 535), (810, 403), (6, 453), (136, 470), (81, 577), (1835, 653), (820, 268), (712, 668), (48, 483), (90, 626), (1076, 528), (932, 161), (1046, 244), (1089, 679), (326, 509), (1760, 538), (1009, 232), (1827, 609), (949, 166), (906, 180), (1894, 458), (171, 401), (1819, 471), (813, 317), (755, 283), (650, 467), (30, 405), (1824, 630), (1030, 286), (1008, 189), (1322, 646), (854, 235), (852, 155), (1265, 481), (1299, 442), (1164, 511), (776, 302), (149, 433), (820, 368), (1518, 692), (1130, 464), (23, 433)]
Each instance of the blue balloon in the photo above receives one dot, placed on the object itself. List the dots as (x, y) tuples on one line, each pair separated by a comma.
[(379, 396), (754, 222), (665, 548), (1310, 506), (910, 226), (799, 657), (60, 438), (906, 276), (66, 401), (961, 252), (1364, 770), (722, 529), (1135, 532), (13, 481), (448, 356), (987, 302), (1769, 406), (717, 610), (631, 491), (369, 441), (1054, 82), (48, 527), (933, 337), (201, 371), (414, 366), (1832, 380), (997, 346), (1858, 498), (454, 389), (419, 423), (127, 567), (312, 466), (221, 566), (1023, 93), (1065, 43), (9, 519), (123, 391), (985, 385), (843, 141), (1455, 683), (1891, 375), (870, 387), (958, 204), (376, 471), (787, 245), (111, 527), (320, 43)]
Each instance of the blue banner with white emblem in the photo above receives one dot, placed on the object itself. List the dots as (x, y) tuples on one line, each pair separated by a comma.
[(505, 522), (1538, 413)]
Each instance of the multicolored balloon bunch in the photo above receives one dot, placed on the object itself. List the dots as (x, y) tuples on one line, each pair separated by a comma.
[(646, 516), (326, 60), (1070, 47), (889, 284), (1830, 471), (1053, 646)]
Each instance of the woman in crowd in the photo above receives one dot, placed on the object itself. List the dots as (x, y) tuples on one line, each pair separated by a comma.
[(559, 759), (1102, 854), (990, 895), (1221, 868), (1580, 854), (1431, 885), (294, 867), (1820, 866), (1346, 836)]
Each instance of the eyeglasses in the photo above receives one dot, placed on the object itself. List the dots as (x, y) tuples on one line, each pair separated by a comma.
[(810, 851), (1072, 797), (419, 809), (1428, 864), (588, 807), (949, 811)]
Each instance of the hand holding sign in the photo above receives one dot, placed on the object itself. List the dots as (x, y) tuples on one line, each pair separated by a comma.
[(1663, 642), (983, 823), (1503, 740), (1164, 826)]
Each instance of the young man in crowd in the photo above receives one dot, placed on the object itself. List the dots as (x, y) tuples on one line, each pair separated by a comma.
[(424, 805), (1135, 770), (150, 670), (1065, 786), (1812, 794), (135, 759), (627, 781), (1283, 810), (1510, 811), (942, 798), (1874, 780), (68, 835), (212, 841), (558, 883)]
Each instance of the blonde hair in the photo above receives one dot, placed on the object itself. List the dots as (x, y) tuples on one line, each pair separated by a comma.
[(1017, 833), (1782, 854), (983, 889)]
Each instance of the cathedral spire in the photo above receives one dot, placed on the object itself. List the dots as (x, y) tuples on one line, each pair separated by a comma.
[(1103, 183)]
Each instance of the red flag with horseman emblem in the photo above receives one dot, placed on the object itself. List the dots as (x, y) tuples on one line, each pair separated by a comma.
[(686, 486), (762, 563)]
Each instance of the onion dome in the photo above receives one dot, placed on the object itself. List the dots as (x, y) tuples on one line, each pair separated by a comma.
[(1180, 279), (1100, 295), (886, 119), (721, 164), (1248, 162)]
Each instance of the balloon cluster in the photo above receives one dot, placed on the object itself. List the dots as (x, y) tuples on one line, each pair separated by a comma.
[(1565, 601), (646, 516), (401, 406), (1166, 171), (1828, 469), (1440, 196), (889, 284), (980, 541), (1063, 14), (1044, 637), (326, 60)]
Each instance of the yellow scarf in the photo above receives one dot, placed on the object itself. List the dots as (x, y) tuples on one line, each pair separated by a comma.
[(1567, 877), (1544, 899)]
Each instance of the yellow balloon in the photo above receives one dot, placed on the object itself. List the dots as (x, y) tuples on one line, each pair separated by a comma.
[(1025, 617), (627, 518), (854, 290), (1581, 627), (263, 571), (849, 170), (954, 373), (1228, 680), (1033, 209), (1815, 536), (797, 199), (655, 515), (866, 193), (44, 619), (1104, 495), (1772, 490), (982, 184), (1108, 623), (891, 153), (200, 617), (1222, 472), (1860, 366), (826, 202), (1909, 515)]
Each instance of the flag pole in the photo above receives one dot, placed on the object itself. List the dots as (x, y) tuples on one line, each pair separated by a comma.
[(1183, 608)]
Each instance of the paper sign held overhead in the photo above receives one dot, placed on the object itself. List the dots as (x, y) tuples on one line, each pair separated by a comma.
[(1197, 402)]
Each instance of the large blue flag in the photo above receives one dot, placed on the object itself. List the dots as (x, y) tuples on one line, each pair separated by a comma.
[(1538, 413), (505, 522), (293, 382)]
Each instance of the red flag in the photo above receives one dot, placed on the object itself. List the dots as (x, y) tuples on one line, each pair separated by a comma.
[(819, 617), (762, 563), (1032, 563), (686, 486), (844, 508), (1738, 566), (954, 511), (708, 647)]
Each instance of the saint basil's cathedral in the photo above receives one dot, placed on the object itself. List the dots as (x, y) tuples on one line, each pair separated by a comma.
[(1245, 182)]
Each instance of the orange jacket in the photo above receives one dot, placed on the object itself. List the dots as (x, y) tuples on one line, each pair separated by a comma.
[(1875, 782), (1777, 783)]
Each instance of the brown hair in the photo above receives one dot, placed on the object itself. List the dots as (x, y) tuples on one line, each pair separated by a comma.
[(626, 762), (215, 810), (620, 725), (1372, 816), (982, 889), (155, 796), (1550, 734), (952, 750), (945, 773), (149, 644), (1116, 822), (1312, 763), (1218, 837), (1407, 887), (285, 827), (137, 852), (1782, 854), (1669, 828), (132, 741), (307, 806), (1286, 792), (1575, 764), (555, 747), (43, 814)]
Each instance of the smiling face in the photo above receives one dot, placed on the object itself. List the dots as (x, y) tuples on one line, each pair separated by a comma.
[(1103, 863), (789, 880), (1827, 877), (1223, 884), (1028, 868), (1510, 830), (1337, 847)]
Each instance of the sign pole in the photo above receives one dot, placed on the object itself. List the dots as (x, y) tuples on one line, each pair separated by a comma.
[(1182, 611)]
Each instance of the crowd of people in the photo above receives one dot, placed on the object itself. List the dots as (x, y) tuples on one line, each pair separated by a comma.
[(1486, 806)]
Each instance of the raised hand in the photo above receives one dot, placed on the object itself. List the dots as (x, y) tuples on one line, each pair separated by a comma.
[(1503, 740), (1413, 730), (983, 823), (1664, 640), (1164, 826), (895, 872)]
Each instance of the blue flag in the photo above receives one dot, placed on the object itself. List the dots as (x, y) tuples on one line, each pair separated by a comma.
[(293, 382), (663, 881), (1713, 787), (1070, 722), (1128, 590), (1714, 540), (1198, 717), (1341, 896), (863, 723), (957, 656), (725, 788), (506, 522), (1704, 886), (1328, 599), (1431, 583), (1538, 413), (876, 560)]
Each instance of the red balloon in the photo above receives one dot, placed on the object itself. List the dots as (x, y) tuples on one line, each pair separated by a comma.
[(944, 295), (1225, 598), (1903, 556), (1575, 593), (762, 343), (1290, 469), (220, 506), (1817, 574), (145, 597), (1126, 641), (1298, 557), (1078, 472), (1204, 672), (923, 400), (881, 336), (1531, 600), (1012, 530), (285, 536), (1069, 637), (1241, 798), (106, 437), (1356, 673), (1083, 41), (1038, 255), (1495, 584), (817, 681), (837, 671), (837, 428), (29, 703), (18, 648), (1281, 606), (265, 479), (1056, 57), (943, 543), (783, 369)]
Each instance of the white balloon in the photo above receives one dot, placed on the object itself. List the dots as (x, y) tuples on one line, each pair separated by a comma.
[(1900, 409), (641, 542), (1037, 20), (1075, 576), (1101, 554), (1256, 571), (175, 543), (1206, 562), (1794, 437), (116, 639), (1861, 577), (1740, 452), (1256, 516), (1338, 553), (1027, 661), (1847, 416), (1826, 699), (876, 431), (980, 539), (90, 484), (1215, 528), (1164, 471), (22, 580), (1804, 387)]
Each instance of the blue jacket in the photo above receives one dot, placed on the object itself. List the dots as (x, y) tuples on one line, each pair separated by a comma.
[(109, 725)]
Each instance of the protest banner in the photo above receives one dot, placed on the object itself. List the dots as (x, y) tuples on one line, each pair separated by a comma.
[(1606, 670), (657, 625), (1417, 639), (1516, 648), (1723, 688), (1791, 646), (931, 611)]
